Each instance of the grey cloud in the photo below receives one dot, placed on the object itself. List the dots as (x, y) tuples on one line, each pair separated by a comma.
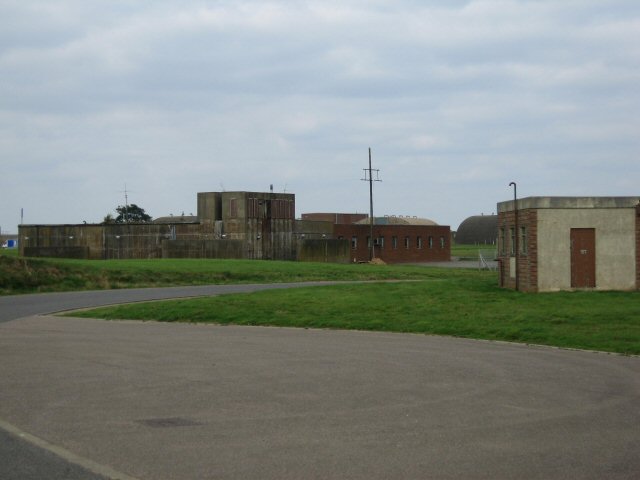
[(454, 97)]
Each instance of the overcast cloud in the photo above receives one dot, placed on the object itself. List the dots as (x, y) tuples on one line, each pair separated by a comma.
[(455, 98)]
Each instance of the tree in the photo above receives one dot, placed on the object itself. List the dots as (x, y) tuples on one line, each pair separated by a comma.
[(108, 218), (131, 214)]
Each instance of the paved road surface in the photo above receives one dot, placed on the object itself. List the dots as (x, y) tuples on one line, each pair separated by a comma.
[(17, 306), (152, 400)]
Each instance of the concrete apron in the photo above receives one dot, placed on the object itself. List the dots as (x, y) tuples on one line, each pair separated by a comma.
[(158, 400)]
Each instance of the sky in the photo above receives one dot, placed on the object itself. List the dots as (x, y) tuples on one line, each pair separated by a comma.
[(456, 99)]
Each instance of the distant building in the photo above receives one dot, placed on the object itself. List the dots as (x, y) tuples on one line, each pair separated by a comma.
[(8, 240), (246, 225), (396, 239), (243, 225), (335, 218), (567, 243), (478, 230)]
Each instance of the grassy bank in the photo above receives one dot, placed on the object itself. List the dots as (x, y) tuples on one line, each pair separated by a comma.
[(26, 275), (458, 303), (29, 275)]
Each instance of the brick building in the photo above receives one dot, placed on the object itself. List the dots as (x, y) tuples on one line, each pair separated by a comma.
[(397, 240), (566, 243)]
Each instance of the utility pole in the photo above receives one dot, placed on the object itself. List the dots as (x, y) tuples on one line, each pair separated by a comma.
[(126, 204), (368, 177)]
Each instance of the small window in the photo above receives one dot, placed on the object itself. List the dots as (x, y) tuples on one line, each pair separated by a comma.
[(430, 241), (406, 242), (380, 242), (354, 242), (512, 235), (368, 241), (523, 240), (394, 242), (442, 242), (501, 241), (419, 242)]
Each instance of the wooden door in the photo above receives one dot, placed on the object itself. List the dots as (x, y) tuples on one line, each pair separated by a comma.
[(583, 257)]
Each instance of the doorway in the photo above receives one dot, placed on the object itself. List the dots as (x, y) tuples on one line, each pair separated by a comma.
[(583, 258)]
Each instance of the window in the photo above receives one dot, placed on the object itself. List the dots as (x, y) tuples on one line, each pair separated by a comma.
[(442, 242), (419, 241), (501, 241), (512, 235), (523, 240), (394, 242), (368, 241), (354, 242), (406, 243), (380, 242), (430, 241)]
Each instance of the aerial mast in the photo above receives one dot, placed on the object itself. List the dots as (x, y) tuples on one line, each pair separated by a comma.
[(368, 177)]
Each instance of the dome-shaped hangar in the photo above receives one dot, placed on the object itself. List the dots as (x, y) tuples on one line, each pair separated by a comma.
[(479, 229)]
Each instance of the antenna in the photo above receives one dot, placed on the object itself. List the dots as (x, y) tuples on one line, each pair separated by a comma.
[(126, 203), (369, 178)]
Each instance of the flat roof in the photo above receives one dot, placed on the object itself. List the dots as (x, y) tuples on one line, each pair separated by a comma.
[(570, 202)]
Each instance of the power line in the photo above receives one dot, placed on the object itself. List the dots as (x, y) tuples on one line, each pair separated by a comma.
[(368, 177)]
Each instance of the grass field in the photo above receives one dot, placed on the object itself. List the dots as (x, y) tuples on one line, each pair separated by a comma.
[(469, 251), (464, 303), (28, 275)]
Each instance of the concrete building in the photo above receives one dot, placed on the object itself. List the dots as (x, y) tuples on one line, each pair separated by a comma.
[(567, 243), (243, 225), (264, 222)]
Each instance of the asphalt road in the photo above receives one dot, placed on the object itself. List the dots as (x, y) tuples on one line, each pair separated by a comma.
[(18, 306), (152, 400)]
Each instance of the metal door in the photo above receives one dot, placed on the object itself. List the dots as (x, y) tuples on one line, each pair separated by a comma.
[(583, 257)]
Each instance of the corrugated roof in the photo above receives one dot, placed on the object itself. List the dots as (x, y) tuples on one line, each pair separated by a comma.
[(478, 229)]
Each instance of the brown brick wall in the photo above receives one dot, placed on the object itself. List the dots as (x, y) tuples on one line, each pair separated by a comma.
[(399, 254), (527, 262)]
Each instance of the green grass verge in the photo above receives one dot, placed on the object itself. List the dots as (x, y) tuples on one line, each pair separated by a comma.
[(27, 275), (469, 251), (456, 303)]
